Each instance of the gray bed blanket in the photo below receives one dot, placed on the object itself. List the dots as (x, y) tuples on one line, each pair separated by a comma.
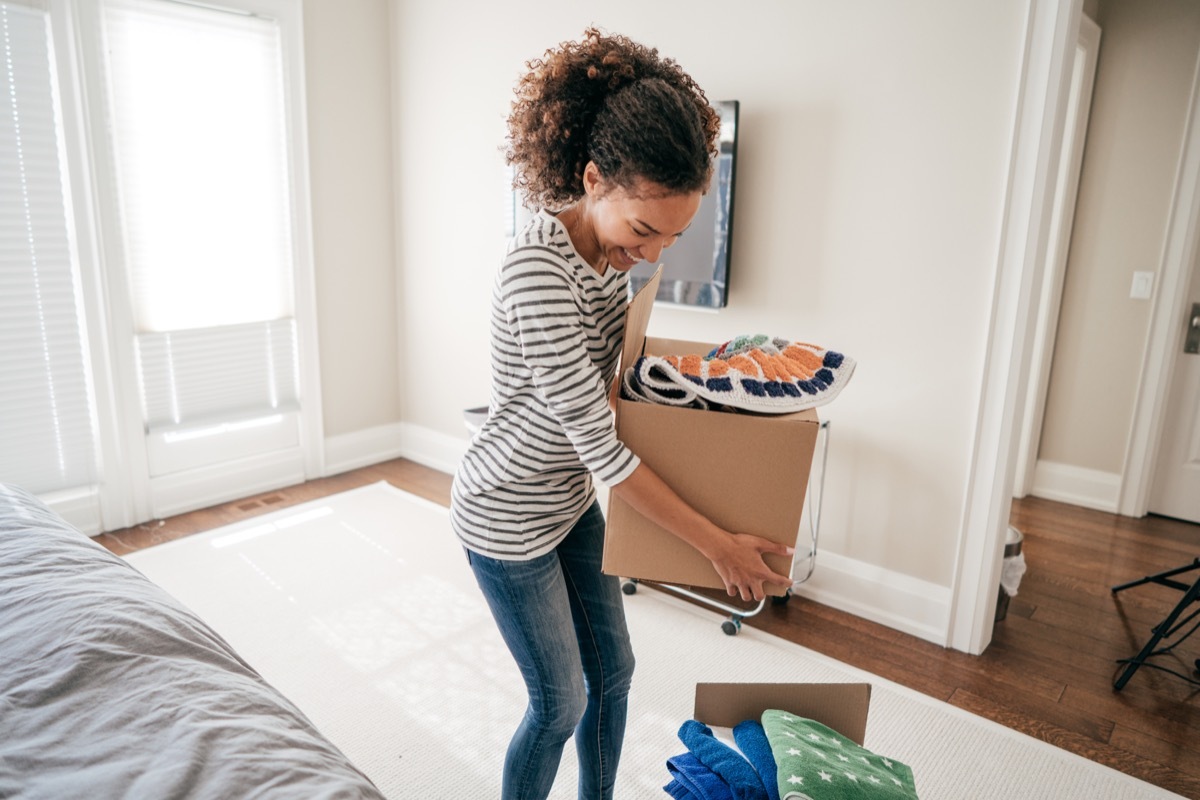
[(110, 688)]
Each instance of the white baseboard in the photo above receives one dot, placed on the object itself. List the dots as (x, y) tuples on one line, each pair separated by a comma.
[(898, 601), (397, 440), (79, 507), (363, 448), (433, 449), (1078, 486), (189, 490)]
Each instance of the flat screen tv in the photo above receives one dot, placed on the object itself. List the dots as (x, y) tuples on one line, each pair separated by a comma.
[(696, 267)]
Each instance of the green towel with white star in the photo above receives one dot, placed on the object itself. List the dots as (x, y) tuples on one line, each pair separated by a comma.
[(815, 762)]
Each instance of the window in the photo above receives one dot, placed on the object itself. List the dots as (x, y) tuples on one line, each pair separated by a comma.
[(200, 153), (197, 113), (201, 160), (47, 438), (181, 126)]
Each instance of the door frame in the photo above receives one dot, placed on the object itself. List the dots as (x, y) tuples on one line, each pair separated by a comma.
[(1167, 312), (1048, 303), (1051, 35)]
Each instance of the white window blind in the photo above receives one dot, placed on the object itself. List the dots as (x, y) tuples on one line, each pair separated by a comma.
[(188, 375), (47, 438), (201, 159)]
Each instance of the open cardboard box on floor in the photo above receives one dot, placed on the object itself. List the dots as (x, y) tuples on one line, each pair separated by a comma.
[(841, 706), (746, 472)]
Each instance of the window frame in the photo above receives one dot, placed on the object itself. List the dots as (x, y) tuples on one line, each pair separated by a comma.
[(127, 494)]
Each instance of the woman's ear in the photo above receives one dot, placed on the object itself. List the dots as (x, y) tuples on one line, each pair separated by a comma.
[(593, 182)]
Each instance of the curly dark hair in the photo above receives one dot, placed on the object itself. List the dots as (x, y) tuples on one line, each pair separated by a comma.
[(615, 102)]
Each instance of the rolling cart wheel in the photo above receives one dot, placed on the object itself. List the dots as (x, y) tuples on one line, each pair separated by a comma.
[(629, 586), (731, 626), (782, 599)]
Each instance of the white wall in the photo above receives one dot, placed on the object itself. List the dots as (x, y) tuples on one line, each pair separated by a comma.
[(875, 141), (348, 81)]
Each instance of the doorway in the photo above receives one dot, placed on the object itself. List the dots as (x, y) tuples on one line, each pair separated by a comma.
[(1175, 489), (1101, 378)]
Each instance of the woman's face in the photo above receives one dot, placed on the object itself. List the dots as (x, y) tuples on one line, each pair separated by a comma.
[(637, 224)]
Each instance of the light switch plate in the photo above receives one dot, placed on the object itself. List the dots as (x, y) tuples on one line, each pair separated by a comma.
[(1143, 286)]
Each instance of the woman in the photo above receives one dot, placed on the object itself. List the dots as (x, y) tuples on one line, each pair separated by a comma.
[(618, 142)]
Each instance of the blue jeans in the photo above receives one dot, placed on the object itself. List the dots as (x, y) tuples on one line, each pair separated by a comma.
[(564, 622)]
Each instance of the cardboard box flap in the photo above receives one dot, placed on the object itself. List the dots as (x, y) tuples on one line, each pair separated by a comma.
[(841, 706), (637, 317)]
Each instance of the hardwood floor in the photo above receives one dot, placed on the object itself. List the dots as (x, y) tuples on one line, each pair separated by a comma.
[(1049, 670)]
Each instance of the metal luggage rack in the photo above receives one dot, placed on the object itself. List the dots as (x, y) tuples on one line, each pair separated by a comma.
[(816, 496)]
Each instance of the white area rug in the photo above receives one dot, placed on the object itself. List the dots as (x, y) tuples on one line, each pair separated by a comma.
[(361, 608)]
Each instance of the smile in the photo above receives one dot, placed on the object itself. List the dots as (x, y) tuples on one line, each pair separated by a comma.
[(629, 257)]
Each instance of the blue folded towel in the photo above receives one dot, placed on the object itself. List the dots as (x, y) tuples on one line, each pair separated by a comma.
[(694, 781), (722, 759), (752, 740)]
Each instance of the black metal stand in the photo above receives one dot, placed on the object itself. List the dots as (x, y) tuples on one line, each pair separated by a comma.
[(1169, 626)]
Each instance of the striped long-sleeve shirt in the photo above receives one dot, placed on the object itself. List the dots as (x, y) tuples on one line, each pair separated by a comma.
[(556, 335)]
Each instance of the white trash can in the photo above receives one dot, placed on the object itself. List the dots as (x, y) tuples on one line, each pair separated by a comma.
[(1011, 571)]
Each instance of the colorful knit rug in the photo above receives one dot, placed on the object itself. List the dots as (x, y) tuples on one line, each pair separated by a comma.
[(750, 373)]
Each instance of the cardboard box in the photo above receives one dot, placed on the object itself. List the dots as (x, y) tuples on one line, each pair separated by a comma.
[(841, 706), (748, 473)]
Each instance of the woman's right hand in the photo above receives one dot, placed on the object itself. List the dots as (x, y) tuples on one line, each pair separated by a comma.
[(737, 557), (739, 562)]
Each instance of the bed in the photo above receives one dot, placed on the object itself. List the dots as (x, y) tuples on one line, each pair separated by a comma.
[(111, 688)]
